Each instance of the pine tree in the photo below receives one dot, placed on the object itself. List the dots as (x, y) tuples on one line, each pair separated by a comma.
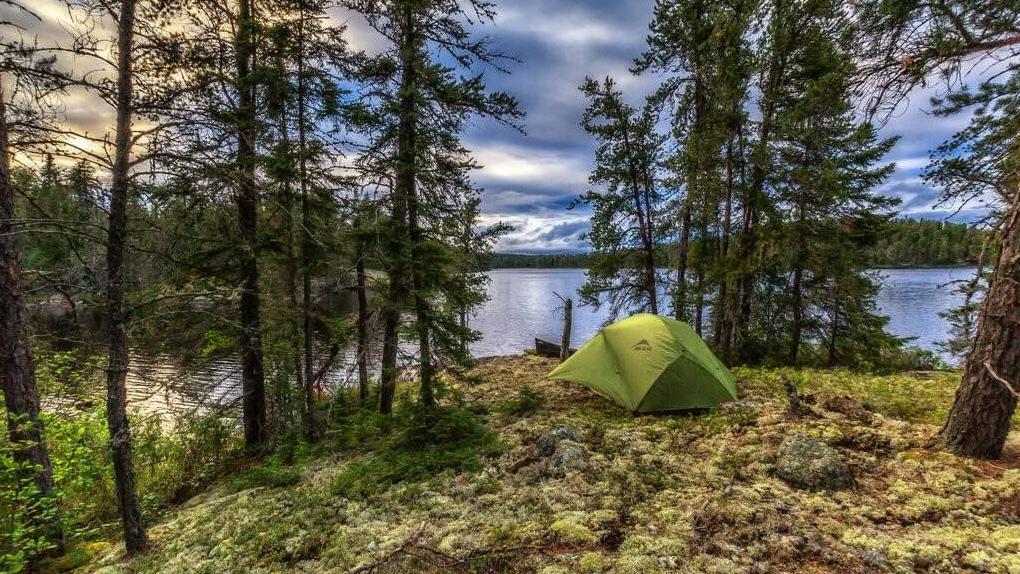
[(17, 367), (418, 156), (626, 204), (116, 394), (909, 43), (825, 174)]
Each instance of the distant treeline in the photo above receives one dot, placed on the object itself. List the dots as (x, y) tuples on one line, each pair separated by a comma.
[(539, 260), (927, 243), (907, 243)]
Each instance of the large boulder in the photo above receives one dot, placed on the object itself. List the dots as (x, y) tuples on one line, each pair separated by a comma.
[(559, 451), (809, 463)]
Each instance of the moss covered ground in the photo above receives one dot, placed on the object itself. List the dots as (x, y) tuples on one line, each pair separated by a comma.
[(658, 493)]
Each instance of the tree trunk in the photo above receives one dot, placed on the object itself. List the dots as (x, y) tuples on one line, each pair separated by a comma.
[(833, 338), (797, 295), (723, 321), (252, 370), (17, 369), (116, 372), (311, 424), (568, 327), (362, 325), (287, 203), (755, 198), (699, 303), (979, 421), (680, 295), (407, 172), (399, 240)]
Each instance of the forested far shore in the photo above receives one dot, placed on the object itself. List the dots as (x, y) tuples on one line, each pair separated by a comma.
[(906, 243)]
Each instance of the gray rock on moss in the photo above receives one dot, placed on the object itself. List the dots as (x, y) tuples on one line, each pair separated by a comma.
[(560, 452), (569, 456), (546, 444), (810, 464)]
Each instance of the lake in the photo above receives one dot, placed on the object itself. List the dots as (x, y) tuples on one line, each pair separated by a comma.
[(523, 305)]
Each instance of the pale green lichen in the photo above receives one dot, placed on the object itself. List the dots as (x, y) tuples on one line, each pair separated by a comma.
[(591, 563), (570, 531), (660, 494)]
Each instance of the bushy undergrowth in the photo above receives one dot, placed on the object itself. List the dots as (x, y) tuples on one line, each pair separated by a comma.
[(413, 445), (528, 400), (25, 515), (171, 464), (271, 473)]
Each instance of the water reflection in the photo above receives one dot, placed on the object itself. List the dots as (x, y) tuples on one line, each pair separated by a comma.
[(522, 305)]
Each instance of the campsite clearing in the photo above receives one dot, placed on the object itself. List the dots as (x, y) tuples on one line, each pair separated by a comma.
[(647, 494)]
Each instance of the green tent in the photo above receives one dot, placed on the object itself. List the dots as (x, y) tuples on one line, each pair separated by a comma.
[(649, 363)]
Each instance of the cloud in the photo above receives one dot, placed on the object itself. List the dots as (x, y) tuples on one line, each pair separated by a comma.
[(544, 232), (530, 181), (518, 164)]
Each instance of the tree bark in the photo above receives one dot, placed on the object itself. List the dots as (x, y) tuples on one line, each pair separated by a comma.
[(311, 424), (252, 370), (362, 325), (17, 367), (979, 421), (135, 538), (407, 172)]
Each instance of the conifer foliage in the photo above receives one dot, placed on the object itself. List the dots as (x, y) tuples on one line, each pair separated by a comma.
[(750, 177)]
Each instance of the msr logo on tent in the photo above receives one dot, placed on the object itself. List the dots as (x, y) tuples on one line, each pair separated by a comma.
[(643, 345)]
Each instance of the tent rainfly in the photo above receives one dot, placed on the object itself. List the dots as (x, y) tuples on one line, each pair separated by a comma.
[(648, 363)]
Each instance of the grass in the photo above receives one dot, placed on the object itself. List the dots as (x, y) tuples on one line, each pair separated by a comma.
[(917, 397), (454, 490), (422, 444)]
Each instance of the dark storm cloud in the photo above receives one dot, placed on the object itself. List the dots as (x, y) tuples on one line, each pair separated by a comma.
[(530, 180)]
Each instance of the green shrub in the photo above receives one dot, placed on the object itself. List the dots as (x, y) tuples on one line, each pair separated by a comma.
[(271, 473), (427, 443), (25, 516), (528, 400)]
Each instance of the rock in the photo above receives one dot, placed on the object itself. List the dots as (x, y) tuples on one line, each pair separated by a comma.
[(569, 456), (809, 463), (546, 444)]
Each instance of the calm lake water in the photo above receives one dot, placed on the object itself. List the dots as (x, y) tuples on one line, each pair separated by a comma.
[(523, 305)]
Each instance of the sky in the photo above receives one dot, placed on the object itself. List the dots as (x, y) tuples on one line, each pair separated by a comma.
[(531, 179)]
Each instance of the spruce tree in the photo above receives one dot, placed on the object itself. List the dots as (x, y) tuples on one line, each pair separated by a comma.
[(423, 105), (824, 180), (626, 204)]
